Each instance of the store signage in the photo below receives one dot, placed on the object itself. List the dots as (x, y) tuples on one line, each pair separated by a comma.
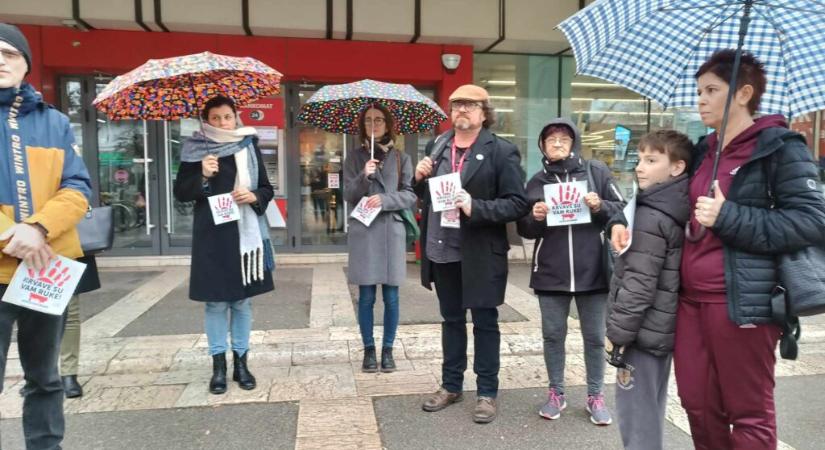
[(265, 112)]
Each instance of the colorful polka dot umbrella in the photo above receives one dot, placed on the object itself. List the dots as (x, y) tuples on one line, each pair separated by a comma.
[(335, 108), (176, 88)]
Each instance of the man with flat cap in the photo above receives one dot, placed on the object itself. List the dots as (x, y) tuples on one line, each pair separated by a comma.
[(465, 250), (44, 191)]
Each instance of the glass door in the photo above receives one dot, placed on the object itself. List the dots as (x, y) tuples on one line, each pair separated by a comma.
[(127, 180), (318, 213)]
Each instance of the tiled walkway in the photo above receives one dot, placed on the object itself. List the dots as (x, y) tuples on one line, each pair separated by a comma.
[(317, 366)]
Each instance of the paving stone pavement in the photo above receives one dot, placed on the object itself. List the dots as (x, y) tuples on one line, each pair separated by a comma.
[(317, 367)]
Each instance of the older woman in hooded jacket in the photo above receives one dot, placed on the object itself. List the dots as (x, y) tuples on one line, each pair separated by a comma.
[(567, 264)]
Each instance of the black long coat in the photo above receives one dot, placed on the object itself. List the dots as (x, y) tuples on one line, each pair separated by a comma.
[(495, 181), (216, 259)]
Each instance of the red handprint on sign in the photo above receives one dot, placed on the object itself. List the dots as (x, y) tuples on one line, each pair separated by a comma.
[(445, 190), (225, 202), (57, 275), (568, 196)]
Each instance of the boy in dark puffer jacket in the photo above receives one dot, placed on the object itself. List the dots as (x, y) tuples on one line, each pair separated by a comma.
[(644, 291)]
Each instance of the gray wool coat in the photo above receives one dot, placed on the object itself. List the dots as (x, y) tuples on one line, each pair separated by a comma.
[(378, 253)]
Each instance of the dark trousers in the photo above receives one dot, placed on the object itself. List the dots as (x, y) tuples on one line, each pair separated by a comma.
[(487, 337), (725, 376), (38, 342)]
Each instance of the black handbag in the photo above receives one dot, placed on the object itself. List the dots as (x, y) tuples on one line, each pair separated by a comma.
[(802, 276), (96, 230), (801, 273)]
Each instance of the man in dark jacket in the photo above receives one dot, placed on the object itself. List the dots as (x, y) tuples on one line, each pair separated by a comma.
[(644, 292), (468, 263), (44, 191)]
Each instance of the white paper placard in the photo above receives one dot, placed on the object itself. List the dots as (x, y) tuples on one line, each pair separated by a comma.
[(566, 203), (364, 214), (451, 218), (630, 216), (443, 190), (47, 291), (333, 181), (224, 209)]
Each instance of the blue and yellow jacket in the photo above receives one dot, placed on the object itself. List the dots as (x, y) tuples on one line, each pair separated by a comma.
[(58, 179)]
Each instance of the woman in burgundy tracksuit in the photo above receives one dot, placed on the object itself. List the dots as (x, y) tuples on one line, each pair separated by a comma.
[(725, 341), (767, 202)]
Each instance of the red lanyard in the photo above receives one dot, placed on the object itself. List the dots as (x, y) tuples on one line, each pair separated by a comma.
[(457, 168)]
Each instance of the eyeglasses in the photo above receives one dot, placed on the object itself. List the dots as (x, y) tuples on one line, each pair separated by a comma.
[(376, 121), (10, 55), (464, 105), (562, 141)]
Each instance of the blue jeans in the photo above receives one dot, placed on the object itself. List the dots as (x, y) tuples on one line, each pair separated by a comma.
[(366, 302), (217, 325)]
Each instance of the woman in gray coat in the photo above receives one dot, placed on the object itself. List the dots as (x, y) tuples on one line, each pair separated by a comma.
[(377, 253)]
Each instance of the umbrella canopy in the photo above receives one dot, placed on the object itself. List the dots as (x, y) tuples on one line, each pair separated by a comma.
[(335, 108), (655, 47), (176, 88)]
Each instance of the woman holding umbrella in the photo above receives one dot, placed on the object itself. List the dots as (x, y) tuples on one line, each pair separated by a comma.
[(231, 262), (377, 253), (766, 202)]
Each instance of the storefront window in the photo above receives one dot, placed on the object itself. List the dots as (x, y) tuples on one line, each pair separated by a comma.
[(524, 89), (611, 120)]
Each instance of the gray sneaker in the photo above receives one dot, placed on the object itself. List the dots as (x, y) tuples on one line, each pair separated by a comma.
[(599, 414), (554, 406)]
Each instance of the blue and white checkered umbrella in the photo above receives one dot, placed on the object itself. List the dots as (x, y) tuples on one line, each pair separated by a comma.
[(655, 47)]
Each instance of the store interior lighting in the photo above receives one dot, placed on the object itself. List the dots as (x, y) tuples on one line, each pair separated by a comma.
[(595, 85), (623, 113), (501, 82), (624, 100)]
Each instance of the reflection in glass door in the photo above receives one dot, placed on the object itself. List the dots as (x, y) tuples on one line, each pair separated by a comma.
[(178, 215), (323, 209), (123, 175)]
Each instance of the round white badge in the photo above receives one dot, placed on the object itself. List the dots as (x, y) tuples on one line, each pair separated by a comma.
[(479, 157), (811, 183)]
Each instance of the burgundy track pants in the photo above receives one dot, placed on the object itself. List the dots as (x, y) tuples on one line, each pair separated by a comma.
[(725, 378)]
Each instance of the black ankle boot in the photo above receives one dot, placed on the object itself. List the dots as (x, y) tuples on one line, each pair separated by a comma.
[(71, 388), (370, 363), (217, 385), (387, 363), (240, 372)]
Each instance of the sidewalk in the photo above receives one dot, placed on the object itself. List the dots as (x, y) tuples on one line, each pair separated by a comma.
[(144, 365)]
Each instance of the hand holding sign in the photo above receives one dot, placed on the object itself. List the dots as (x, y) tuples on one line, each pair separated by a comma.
[(27, 242), (364, 212), (540, 210), (244, 196)]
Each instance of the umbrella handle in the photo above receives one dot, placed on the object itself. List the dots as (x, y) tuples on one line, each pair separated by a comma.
[(734, 79), (691, 237)]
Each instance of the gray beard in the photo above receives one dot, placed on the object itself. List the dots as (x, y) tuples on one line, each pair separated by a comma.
[(464, 125)]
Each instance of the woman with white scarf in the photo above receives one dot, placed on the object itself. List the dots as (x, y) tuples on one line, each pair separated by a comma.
[(233, 261)]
